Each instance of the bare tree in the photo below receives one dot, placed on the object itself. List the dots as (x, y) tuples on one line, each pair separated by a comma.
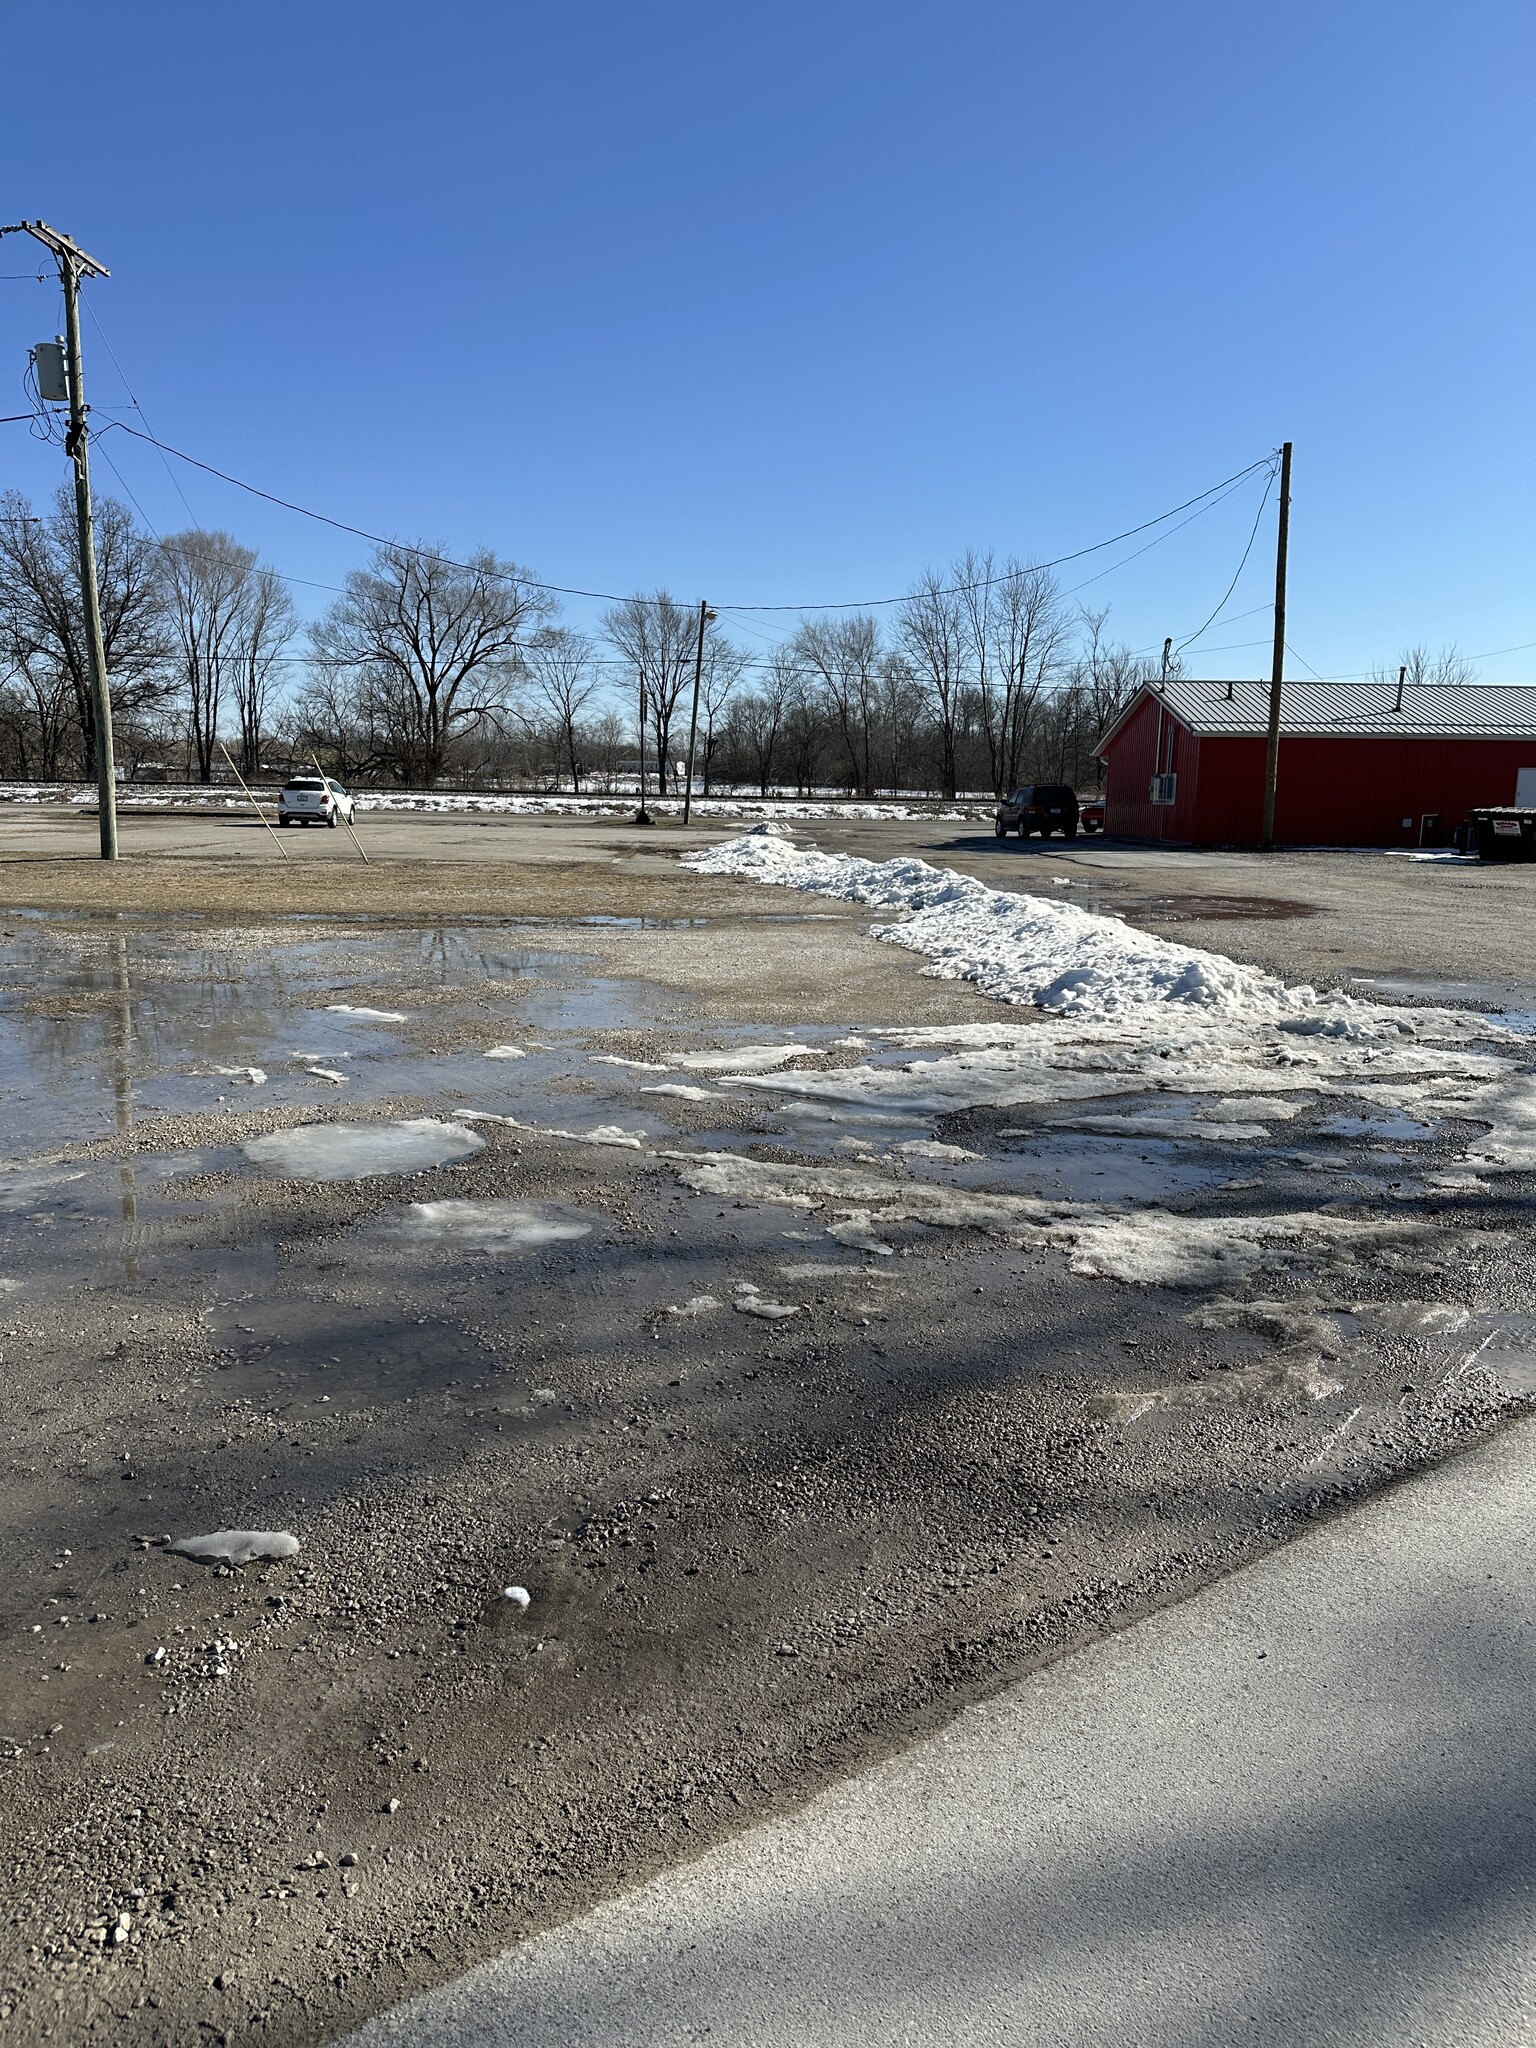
[(657, 637), (932, 626), (267, 625), (1030, 633), (206, 574), (757, 718), (724, 665), (431, 647), (844, 655), (1450, 665), (563, 681), (40, 597), (1107, 674)]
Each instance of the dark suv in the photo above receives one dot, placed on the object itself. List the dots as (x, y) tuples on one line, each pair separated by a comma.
[(1043, 807)]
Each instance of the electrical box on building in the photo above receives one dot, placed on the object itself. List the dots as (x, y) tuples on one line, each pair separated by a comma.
[(1163, 788), (52, 378)]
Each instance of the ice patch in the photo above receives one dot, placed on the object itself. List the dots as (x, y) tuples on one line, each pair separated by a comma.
[(1149, 1246), (855, 1231), (348, 1151), (759, 1305), (697, 1305), (491, 1226), (367, 1016), (254, 1077), (238, 1546), (683, 1091), (505, 1052), (1396, 1126), (612, 1059), (932, 1148), (326, 1074)]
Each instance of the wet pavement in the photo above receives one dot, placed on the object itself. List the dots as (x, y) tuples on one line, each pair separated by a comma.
[(815, 1362)]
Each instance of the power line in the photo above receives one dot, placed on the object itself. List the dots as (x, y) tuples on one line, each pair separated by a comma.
[(134, 402), (1242, 565), (1059, 561), (613, 597)]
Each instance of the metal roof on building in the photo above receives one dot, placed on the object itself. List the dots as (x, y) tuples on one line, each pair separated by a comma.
[(1495, 711)]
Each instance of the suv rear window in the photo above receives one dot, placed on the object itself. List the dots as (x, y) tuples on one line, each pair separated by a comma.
[(304, 782), (1054, 793)]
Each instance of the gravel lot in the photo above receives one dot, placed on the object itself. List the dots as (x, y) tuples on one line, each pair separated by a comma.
[(266, 1803)]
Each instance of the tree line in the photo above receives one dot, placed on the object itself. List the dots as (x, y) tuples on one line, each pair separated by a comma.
[(426, 670)]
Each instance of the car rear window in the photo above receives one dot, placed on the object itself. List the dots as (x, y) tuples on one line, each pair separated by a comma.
[(302, 782), (1054, 793)]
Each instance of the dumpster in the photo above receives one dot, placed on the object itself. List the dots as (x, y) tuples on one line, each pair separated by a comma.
[(1504, 834)]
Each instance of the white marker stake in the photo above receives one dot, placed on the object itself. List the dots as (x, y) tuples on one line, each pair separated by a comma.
[(367, 863), (256, 807)]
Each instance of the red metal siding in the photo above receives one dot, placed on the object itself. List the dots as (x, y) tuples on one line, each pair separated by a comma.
[(1151, 741), (1333, 790)]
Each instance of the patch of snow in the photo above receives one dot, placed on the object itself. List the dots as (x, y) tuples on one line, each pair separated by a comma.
[(1022, 949), (683, 1091), (743, 1059), (932, 1148), (254, 1077), (326, 1074), (367, 1016), (505, 1052), (238, 1546), (612, 1059), (351, 1151), (519, 1596)]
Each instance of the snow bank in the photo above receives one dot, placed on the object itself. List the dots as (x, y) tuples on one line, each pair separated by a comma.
[(1022, 949)]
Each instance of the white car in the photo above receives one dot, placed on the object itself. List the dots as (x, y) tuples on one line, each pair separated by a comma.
[(314, 800)]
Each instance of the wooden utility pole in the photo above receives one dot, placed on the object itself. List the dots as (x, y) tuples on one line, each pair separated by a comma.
[(73, 265), (1277, 670), (642, 816), (705, 615)]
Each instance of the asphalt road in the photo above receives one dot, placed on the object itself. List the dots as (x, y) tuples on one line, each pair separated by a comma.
[(1296, 1808)]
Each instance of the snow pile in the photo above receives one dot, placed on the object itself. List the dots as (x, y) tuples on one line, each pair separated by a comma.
[(1022, 949), (238, 1546)]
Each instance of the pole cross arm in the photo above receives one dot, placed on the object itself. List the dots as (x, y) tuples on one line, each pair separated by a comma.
[(61, 246)]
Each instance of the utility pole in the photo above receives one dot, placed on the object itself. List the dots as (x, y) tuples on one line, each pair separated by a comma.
[(1277, 671), (642, 816), (73, 265), (705, 615), (1167, 661)]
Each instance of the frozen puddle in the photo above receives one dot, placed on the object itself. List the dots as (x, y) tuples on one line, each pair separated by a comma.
[(490, 1226), (352, 1151), (1092, 1169)]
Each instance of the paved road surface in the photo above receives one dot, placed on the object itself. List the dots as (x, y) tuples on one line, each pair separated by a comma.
[(1296, 1809)]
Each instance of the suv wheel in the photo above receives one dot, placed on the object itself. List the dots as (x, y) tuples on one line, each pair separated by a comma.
[(999, 829)]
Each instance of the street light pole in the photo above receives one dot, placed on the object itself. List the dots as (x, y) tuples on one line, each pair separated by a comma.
[(73, 265)]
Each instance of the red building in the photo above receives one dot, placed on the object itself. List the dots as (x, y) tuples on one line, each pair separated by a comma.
[(1361, 764)]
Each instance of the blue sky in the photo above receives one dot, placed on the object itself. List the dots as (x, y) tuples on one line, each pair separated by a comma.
[(779, 305)]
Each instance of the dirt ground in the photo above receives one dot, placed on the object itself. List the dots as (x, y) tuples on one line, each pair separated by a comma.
[(760, 1547)]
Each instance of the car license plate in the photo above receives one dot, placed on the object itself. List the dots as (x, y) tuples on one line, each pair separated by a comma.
[(1507, 828)]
